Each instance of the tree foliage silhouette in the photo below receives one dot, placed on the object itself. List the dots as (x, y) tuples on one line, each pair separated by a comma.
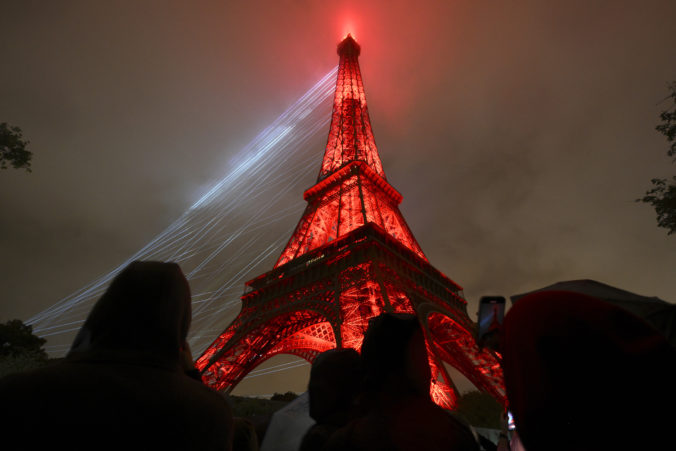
[(480, 409), (286, 397), (18, 338), (20, 349), (13, 148), (662, 196)]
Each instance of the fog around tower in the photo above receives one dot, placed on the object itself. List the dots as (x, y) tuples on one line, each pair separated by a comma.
[(518, 135)]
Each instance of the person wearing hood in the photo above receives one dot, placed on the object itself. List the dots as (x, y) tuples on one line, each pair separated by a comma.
[(124, 383), (583, 374), (399, 413), (334, 388)]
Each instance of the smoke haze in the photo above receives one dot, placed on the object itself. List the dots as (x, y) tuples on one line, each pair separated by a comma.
[(518, 134)]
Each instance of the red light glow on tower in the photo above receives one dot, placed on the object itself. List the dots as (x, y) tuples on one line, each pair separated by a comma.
[(347, 24), (350, 258), (351, 175)]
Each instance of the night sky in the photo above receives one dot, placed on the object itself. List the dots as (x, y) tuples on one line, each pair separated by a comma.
[(519, 133)]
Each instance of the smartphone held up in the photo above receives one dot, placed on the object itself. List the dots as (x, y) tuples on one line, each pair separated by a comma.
[(491, 315)]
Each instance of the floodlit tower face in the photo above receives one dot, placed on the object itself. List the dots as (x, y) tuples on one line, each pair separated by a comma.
[(351, 189), (350, 135), (351, 257)]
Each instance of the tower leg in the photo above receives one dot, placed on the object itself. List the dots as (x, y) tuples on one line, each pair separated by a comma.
[(442, 390), (239, 349), (455, 345)]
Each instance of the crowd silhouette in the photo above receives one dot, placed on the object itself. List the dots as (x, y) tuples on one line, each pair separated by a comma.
[(580, 374), (124, 383)]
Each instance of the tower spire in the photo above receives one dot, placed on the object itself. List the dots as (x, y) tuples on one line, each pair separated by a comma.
[(350, 135), (351, 190)]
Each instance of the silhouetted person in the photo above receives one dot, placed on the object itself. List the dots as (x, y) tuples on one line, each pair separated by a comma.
[(582, 374), (123, 384), (400, 413), (244, 435), (334, 387)]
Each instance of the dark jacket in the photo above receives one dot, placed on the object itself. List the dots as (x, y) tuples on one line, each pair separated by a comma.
[(122, 385), (583, 374)]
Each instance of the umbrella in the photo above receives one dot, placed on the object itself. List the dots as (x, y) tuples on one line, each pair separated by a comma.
[(655, 311)]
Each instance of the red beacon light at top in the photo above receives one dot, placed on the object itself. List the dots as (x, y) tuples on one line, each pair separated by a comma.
[(349, 46)]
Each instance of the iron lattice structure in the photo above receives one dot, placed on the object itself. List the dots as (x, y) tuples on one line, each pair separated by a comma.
[(351, 257)]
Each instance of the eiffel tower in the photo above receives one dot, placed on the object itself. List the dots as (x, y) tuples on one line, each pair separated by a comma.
[(351, 257)]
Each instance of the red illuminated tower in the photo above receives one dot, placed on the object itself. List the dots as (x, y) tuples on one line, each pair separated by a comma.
[(351, 257)]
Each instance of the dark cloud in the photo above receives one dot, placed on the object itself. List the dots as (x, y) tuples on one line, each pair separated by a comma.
[(518, 134)]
